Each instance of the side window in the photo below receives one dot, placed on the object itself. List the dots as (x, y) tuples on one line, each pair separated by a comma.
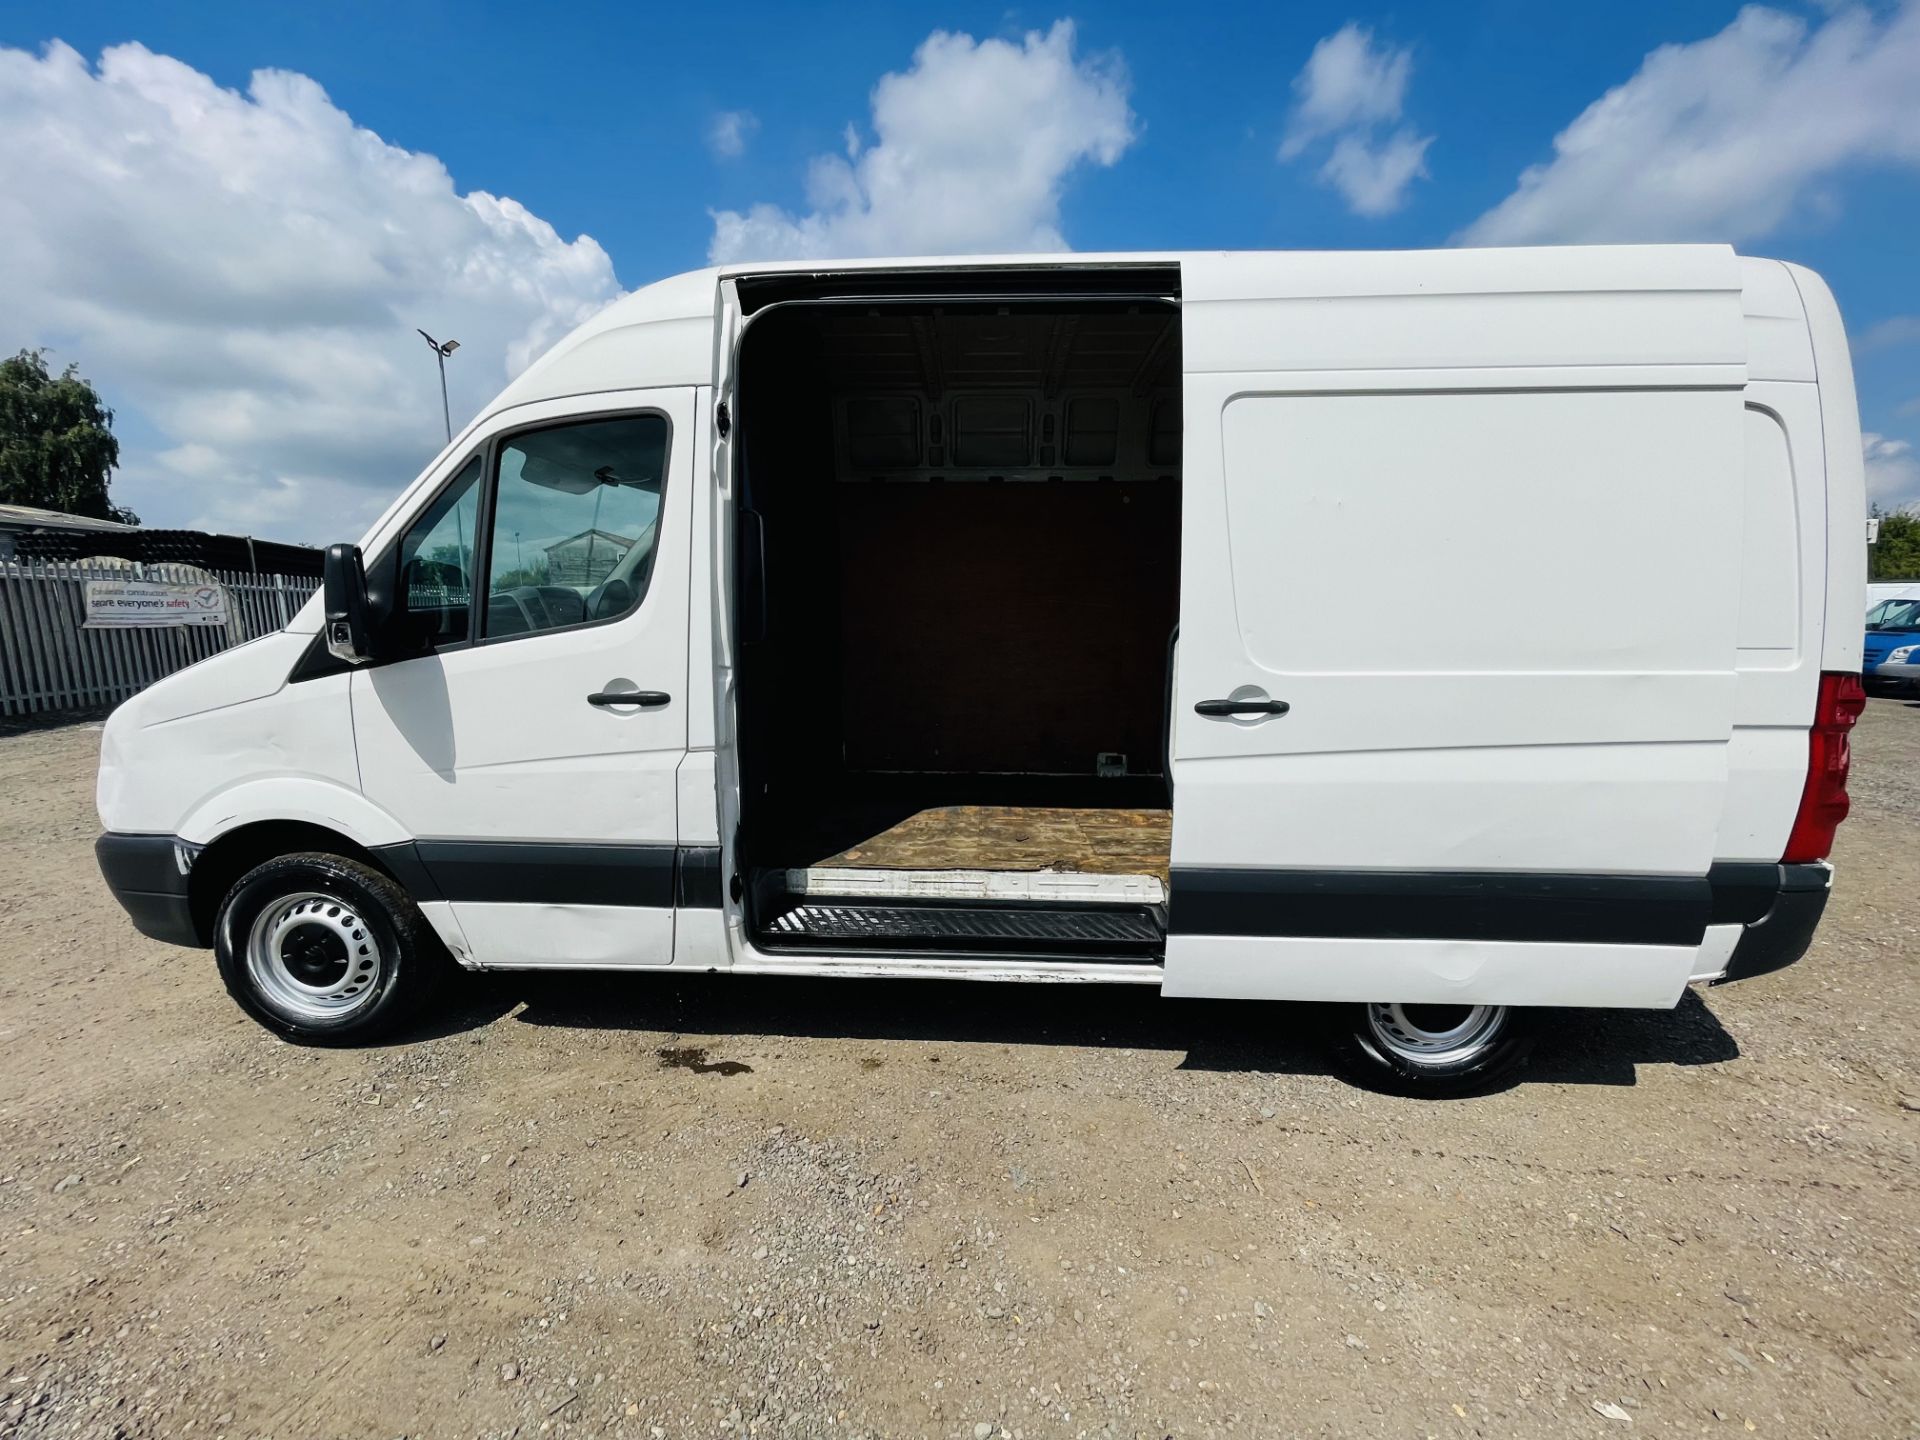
[(574, 524), (437, 561)]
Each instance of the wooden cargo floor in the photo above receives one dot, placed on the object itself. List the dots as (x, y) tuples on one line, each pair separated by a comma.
[(1005, 837)]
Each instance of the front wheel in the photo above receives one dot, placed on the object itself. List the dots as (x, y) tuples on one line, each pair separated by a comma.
[(325, 949), (1436, 1050)]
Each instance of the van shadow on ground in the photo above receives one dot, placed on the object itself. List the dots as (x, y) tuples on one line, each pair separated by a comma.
[(1575, 1047)]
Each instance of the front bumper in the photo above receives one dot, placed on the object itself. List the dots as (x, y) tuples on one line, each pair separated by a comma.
[(1781, 906), (1892, 676), (148, 876)]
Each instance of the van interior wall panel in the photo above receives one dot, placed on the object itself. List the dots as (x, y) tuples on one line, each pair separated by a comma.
[(1008, 628), (964, 522)]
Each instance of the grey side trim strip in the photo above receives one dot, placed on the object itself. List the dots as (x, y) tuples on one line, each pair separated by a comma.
[(537, 872), (699, 884), (1441, 905), (521, 872)]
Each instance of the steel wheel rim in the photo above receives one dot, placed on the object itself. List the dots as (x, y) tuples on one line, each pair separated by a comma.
[(1418, 1034), (312, 957)]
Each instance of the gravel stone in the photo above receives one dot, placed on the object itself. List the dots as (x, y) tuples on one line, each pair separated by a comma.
[(1032, 1219)]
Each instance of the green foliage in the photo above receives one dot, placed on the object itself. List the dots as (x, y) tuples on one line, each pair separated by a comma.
[(525, 575), (57, 449), (1897, 555)]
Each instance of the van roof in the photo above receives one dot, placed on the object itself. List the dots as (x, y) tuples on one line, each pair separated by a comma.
[(663, 333)]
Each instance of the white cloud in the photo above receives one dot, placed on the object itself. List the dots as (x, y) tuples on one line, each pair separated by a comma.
[(972, 147), (1893, 472), (245, 272), (1894, 331), (1374, 177), (1723, 138), (729, 132), (1346, 84), (1348, 92)]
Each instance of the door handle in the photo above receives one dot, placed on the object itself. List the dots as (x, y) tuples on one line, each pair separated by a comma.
[(648, 699), (1242, 707)]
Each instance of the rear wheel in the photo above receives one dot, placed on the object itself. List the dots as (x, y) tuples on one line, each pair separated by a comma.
[(1436, 1049), (325, 949)]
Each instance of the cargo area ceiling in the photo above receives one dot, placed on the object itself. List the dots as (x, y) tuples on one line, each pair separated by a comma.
[(984, 392), (943, 350)]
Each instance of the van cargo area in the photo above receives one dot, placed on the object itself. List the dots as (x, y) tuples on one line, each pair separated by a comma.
[(958, 565)]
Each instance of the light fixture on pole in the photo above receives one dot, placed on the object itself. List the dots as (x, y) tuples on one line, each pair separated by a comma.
[(440, 353)]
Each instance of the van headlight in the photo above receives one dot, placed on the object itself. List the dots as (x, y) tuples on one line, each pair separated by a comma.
[(1902, 656)]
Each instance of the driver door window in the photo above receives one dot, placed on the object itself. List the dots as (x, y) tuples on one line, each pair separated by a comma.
[(437, 561), (575, 524)]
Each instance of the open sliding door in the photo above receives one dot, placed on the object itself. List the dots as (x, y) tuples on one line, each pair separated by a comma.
[(1457, 626)]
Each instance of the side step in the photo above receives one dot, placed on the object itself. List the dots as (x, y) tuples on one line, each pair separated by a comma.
[(1107, 931)]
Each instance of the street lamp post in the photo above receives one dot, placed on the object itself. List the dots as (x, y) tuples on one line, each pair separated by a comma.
[(440, 353)]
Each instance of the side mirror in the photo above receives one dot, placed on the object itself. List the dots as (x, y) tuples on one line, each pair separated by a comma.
[(349, 622)]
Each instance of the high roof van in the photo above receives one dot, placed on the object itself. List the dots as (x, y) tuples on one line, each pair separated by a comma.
[(1019, 619)]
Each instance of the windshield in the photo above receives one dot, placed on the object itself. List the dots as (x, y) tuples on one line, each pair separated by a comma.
[(1895, 615)]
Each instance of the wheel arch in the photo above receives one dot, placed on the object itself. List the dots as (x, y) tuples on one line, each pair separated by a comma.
[(292, 798), (222, 862)]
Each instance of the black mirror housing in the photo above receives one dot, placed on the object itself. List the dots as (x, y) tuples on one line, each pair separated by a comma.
[(349, 615)]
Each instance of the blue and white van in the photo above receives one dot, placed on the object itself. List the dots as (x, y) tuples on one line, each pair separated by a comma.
[(1890, 658)]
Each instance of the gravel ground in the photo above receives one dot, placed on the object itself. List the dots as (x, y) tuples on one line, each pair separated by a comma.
[(653, 1206)]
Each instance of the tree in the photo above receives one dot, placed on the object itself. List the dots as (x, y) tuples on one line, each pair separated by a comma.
[(525, 575), (57, 449), (1897, 555)]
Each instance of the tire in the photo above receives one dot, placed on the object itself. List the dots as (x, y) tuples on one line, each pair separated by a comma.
[(1435, 1050), (325, 950)]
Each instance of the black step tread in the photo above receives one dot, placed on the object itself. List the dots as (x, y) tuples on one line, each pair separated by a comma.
[(1121, 931)]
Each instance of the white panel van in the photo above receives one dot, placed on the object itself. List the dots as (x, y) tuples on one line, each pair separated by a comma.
[(1021, 619)]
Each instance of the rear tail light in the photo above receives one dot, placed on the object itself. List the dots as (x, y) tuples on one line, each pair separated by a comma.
[(1823, 803)]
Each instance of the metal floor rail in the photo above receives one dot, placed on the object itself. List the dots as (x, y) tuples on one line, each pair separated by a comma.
[(1130, 932)]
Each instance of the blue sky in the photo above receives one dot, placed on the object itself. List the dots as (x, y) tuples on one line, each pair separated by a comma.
[(236, 271)]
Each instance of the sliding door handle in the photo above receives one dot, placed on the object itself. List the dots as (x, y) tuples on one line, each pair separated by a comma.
[(1242, 707), (647, 699)]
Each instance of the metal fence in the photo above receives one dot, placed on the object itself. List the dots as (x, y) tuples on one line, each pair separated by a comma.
[(47, 662)]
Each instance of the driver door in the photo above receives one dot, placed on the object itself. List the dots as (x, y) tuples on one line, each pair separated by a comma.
[(533, 750)]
